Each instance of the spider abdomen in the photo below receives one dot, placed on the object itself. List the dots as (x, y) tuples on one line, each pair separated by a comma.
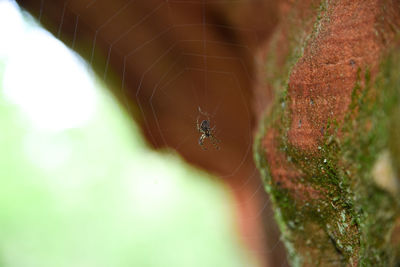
[(205, 125)]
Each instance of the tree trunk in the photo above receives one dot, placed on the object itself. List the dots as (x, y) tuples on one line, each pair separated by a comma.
[(328, 145), (326, 102)]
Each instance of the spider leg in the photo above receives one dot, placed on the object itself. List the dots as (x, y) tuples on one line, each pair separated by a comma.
[(198, 125), (204, 114), (214, 141), (201, 141)]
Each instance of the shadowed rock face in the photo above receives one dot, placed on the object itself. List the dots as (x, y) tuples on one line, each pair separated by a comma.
[(165, 59)]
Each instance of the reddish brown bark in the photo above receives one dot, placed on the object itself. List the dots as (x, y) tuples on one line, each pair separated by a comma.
[(316, 58), (155, 55)]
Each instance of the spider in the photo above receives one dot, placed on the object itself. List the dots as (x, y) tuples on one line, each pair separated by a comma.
[(206, 131)]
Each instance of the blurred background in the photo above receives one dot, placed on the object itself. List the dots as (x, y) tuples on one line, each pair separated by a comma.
[(79, 186)]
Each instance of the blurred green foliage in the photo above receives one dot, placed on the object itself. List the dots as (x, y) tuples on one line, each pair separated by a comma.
[(96, 195)]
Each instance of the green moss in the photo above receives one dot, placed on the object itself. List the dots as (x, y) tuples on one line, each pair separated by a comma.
[(356, 215), (289, 214), (354, 218), (376, 209)]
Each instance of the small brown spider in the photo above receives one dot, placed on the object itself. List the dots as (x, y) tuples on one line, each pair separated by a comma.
[(206, 131)]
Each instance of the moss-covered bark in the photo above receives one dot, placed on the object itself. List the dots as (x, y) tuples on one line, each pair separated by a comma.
[(336, 202)]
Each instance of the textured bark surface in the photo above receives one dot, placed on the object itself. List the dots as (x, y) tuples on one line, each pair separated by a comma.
[(324, 147)]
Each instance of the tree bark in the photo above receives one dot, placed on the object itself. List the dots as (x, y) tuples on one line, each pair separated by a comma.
[(326, 102), (327, 146)]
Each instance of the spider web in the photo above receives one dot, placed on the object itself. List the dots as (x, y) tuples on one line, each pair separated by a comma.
[(177, 64)]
